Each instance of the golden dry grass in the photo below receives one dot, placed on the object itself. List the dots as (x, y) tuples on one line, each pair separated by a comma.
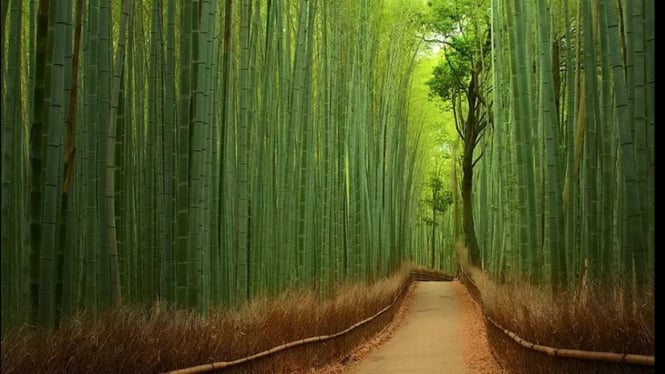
[(134, 340), (596, 322)]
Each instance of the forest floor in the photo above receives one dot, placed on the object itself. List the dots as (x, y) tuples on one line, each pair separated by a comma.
[(439, 330)]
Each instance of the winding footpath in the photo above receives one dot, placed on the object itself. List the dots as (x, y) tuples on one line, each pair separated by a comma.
[(442, 333)]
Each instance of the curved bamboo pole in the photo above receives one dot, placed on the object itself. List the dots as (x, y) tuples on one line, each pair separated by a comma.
[(627, 358)]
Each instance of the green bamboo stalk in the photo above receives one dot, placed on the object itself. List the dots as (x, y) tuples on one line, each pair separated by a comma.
[(154, 135), (116, 296), (265, 248), (12, 281), (590, 200), (554, 228), (210, 268), (53, 165), (65, 267), (183, 159), (632, 238), (526, 185), (202, 34), (225, 207), (607, 149), (89, 156), (230, 161), (37, 150), (571, 187), (105, 53), (649, 31), (121, 200), (169, 132), (635, 12), (242, 207)]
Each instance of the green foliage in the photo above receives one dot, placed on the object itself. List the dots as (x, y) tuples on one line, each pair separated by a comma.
[(448, 18), (462, 27), (450, 77), (440, 200)]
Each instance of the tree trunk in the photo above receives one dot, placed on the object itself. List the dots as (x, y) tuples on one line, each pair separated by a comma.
[(467, 207), (472, 129)]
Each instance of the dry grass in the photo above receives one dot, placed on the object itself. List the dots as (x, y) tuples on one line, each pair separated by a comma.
[(595, 322), (133, 340), (361, 351), (598, 324)]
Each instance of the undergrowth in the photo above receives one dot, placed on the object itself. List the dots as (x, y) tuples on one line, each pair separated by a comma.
[(594, 322), (135, 340)]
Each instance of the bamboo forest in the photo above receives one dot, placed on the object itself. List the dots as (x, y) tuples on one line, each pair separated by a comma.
[(315, 186)]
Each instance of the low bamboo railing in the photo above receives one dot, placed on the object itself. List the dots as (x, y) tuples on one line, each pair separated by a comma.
[(413, 276), (612, 357), (626, 358)]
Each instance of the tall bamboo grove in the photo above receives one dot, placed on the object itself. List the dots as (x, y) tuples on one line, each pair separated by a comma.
[(574, 91), (202, 152)]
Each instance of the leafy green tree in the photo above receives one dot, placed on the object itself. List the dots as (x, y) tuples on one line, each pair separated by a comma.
[(462, 78), (438, 203)]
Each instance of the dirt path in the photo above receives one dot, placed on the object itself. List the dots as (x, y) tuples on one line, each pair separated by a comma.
[(428, 340)]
